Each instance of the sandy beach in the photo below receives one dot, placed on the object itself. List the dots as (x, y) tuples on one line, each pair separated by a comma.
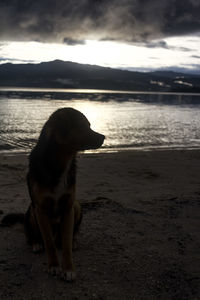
[(139, 237)]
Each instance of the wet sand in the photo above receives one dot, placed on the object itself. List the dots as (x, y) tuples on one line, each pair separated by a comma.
[(139, 237)]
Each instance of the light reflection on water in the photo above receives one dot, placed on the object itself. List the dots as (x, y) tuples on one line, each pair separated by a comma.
[(130, 124)]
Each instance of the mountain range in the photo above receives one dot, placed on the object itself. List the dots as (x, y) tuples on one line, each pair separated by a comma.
[(61, 74)]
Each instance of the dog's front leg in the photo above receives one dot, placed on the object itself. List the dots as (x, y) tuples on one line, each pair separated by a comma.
[(47, 235), (67, 228)]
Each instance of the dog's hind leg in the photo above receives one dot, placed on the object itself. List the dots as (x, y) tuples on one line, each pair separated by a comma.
[(31, 227), (67, 231), (32, 230)]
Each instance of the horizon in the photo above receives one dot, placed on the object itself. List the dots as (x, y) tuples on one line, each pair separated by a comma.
[(72, 75), (183, 71), (159, 55)]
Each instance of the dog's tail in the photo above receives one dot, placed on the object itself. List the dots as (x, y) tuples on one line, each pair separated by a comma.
[(12, 219)]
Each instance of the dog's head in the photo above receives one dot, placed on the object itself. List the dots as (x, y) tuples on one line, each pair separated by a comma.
[(70, 128)]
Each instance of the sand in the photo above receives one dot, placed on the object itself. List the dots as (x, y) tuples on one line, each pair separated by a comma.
[(139, 237)]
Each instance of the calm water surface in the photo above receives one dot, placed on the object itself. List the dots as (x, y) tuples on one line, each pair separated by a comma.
[(127, 121)]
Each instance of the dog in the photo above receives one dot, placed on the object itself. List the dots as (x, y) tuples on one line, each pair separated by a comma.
[(54, 215)]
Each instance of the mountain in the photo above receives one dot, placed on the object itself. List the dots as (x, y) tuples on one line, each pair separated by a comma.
[(60, 74)]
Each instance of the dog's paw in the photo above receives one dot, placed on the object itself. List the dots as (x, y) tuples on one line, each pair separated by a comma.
[(37, 248), (55, 271), (68, 275)]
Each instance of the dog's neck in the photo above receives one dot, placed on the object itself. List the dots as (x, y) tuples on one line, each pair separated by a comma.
[(49, 163), (58, 156)]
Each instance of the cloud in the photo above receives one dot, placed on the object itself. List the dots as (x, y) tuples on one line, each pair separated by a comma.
[(73, 42), (184, 68), (157, 44), (164, 45), (5, 59), (74, 21), (195, 56), (15, 60)]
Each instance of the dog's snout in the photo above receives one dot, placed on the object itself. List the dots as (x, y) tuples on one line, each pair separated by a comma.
[(99, 138), (102, 137), (93, 140)]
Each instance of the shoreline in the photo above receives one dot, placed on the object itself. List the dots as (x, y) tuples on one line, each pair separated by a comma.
[(93, 91), (139, 238), (112, 150)]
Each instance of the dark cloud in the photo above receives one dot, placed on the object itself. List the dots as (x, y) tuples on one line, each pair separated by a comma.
[(76, 20), (73, 42), (157, 44), (184, 49), (184, 68), (15, 60), (164, 45), (195, 56), (6, 59)]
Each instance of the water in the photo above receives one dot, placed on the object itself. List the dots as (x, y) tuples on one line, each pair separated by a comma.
[(129, 121)]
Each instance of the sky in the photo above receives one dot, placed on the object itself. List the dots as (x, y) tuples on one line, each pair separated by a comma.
[(129, 34)]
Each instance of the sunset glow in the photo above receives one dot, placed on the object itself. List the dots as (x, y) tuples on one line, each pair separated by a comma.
[(177, 51)]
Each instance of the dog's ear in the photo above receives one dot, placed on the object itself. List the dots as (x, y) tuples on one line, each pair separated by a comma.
[(45, 137), (47, 132), (61, 128)]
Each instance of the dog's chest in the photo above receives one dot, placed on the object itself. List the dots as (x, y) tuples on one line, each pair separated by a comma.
[(58, 198), (62, 186)]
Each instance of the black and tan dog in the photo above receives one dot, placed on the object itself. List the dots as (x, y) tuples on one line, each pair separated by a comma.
[(54, 214)]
